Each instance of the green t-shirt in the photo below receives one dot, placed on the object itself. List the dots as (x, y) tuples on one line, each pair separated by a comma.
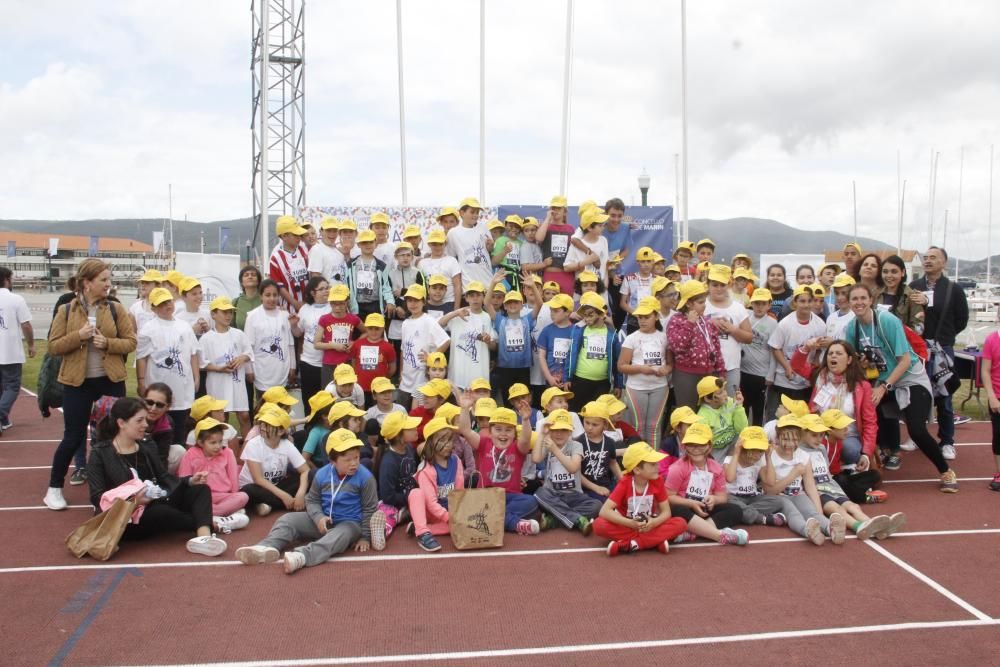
[(513, 258), (592, 359), (244, 304)]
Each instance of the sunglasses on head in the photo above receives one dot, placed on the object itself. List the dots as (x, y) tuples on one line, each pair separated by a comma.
[(150, 403)]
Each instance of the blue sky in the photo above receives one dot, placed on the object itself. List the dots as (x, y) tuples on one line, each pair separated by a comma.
[(102, 104)]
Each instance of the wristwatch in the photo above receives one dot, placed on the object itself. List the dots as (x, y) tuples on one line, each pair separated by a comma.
[(889, 386)]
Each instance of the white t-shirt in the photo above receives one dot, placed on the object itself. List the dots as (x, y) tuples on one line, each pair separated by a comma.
[(182, 314), (219, 349), (731, 348), (599, 248), (308, 323), (787, 337), (273, 462), (446, 266), (422, 334), (470, 358), (648, 349), (13, 313), (836, 324), (142, 313), (270, 338), (387, 253), (783, 468), (325, 261), (746, 478), (375, 413), (169, 346), (468, 246)]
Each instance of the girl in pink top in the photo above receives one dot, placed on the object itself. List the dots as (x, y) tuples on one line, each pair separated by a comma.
[(990, 372), (210, 455)]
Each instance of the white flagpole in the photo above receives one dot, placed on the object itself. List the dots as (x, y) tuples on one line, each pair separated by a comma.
[(944, 241), (567, 77), (958, 221), (933, 194), (684, 130), (899, 206), (482, 101), (854, 187), (677, 197), (402, 107), (989, 225)]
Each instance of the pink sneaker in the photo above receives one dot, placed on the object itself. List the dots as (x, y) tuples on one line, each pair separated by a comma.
[(528, 527)]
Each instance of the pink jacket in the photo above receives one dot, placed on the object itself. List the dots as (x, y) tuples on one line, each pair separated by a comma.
[(427, 481), (864, 413), (125, 491), (223, 471)]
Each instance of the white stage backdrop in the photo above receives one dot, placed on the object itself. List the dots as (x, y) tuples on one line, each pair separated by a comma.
[(219, 274)]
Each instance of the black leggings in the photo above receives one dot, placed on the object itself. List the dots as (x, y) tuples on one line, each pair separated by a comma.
[(723, 516), (995, 420), (77, 404), (258, 494), (915, 416), (187, 509), (585, 391), (754, 389), (309, 380)]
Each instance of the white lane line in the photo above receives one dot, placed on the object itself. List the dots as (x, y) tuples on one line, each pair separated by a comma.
[(26, 468), (5, 441), (612, 646), (934, 479), (42, 507), (453, 555), (927, 580)]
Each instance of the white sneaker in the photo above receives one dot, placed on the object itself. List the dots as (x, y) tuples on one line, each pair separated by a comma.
[(54, 499), (838, 528), (909, 446), (257, 555), (227, 524), (948, 452), (209, 545), (294, 560)]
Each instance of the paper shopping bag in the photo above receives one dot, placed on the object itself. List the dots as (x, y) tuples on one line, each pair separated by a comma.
[(99, 536), (475, 517)]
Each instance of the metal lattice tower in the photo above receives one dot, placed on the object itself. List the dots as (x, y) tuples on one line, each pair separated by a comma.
[(278, 118)]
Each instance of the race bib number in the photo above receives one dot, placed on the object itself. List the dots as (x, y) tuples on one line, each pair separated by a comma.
[(746, 485), (652, 357), (369, 357), (340, 334), (560, 244), (821, 471), (514, 335), (722, 335), (562, 480), (366, 281), (699, 485), (597, 346), (297, 268), (640, 507), (514, 256), (560, 349)]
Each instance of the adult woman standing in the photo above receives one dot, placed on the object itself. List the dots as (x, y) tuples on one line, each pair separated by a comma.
[(778, 285), (902, 388), (250, 295), (896, 296), (94, 337), (694, 342), (120, 455)]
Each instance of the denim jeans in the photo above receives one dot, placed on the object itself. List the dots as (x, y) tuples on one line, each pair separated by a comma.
[(10, 387)]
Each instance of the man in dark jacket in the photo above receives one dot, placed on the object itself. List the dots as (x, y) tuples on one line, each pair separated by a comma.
[(947, 314)]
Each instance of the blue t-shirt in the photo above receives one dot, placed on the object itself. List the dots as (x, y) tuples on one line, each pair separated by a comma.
[(514, 346), (556, 341), (446, 479), (618, 239)]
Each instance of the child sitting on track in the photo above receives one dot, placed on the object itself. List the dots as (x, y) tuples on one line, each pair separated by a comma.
[(696, 486), (396, 464), (637, 513), (561, 495), (724, 415), (680, 419), (337, 513), (440, 471), (218, 461), (317, 429), (601, 471), (266, 459), (744, 471)]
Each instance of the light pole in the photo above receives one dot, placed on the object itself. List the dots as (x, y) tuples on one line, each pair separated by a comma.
[(644, 186)]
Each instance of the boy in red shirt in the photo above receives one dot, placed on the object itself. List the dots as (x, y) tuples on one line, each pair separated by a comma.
[(637, 513), (373, 355), (335, 332), (289, 262)]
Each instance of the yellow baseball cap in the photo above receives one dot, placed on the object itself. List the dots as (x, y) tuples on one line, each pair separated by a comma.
[(415, 292), (517, 390), (318, 401), (559, 201), (273, 415), (344, 374), (485, 407), (514, 219), (657, 258), (435, 425), (704, 266), (684, 245), (613, 405), (559, 420), (221, 303), (189, 284), (586, 205), (375, 320), (329, 222), (278, 394), (706, 241), (587, 277), (494, 224), (537, 280), (513, 295), (747, 274), (447, 411), (480, 383), (286, 224), (789, 420), (475, 286), (754, 437), (381, 384), (445, 212), (690, 290), (437, 279), (500, 288), (395, 422), (593, 216), (205, 404), (818, 291), (343, 409), (160, 295), (802, 289), (708, 385), (760, 294), (338, 292), (591, 300), (834, 418), (813, 422), (348, 225), (742, 255), (342, 440), (672, 268), (683, 415), (437, 235), (469, 202), (720, 273), (367, 236), (645, 254), (551, 393), (647, 306), (597, 410), (379, 218), (402, 246), (843, 280), (412, 231), (837, 269), (797, 408), (640, 452), (552, 285), (205, 424), (855, 245), (437, 360), (152, 276), (436, 387), (698, 433), (503, 416), (659, 284), (564, 301), (530, 221)]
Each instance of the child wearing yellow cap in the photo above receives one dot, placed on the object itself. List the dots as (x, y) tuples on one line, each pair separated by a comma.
[(336, 331), (561, 494), (288, 266), (506, 253), (696, 486), (373, 356), (267, 458), (421, 336), (344, 386), (637, 286), (190, 308), (211, 456), (317, 428), (500, 459), (724, 414), (646, 368), (694, 342), (513, 326), (553, 236), (472, 338), (636, 515), (368, 280), (270, 334), (338, 510), (793, 478), (470, 243), (396, 463), (440, 472), (757, 365), (384, 393), (800, 328), (595, 347), (317, 304), (730, 320), (554, 341), (532, 258), (225, 356), (440, 264), (747, 470), (140, 311), (600, 467)]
